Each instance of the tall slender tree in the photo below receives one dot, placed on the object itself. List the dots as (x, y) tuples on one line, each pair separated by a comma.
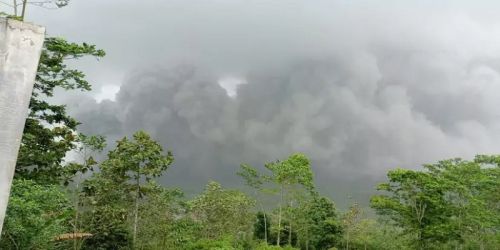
[(295, 170), (88, 147), (136, 162), (255, 181)]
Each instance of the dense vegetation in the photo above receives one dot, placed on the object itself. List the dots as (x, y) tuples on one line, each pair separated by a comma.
[(116, 203), (452, 204)]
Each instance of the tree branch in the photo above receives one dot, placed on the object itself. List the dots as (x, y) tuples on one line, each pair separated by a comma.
[(8, 4)]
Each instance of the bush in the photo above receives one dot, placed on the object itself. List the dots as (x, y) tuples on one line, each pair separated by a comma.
[(35, 216), (264, 246)]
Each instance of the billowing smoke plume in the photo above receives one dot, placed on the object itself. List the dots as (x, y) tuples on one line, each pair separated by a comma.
[(370, 92)]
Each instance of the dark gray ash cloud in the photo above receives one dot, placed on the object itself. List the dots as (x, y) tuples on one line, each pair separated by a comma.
[(360, 87)]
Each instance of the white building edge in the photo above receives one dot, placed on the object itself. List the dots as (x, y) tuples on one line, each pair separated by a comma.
[(20, 48)]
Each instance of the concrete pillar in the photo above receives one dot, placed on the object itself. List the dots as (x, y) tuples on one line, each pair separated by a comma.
[(20, 48)]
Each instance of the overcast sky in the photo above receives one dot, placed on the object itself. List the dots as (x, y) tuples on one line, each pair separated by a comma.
[(359, 86)]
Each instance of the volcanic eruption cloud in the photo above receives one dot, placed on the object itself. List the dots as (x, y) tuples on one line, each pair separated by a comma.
[(359, 88)]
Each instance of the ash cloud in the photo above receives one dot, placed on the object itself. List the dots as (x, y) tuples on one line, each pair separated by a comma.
[(360, 88)]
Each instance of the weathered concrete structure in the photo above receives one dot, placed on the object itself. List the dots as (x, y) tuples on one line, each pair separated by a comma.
[(20, 48)]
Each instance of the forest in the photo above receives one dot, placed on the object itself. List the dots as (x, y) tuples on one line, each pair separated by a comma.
[(115, 203)]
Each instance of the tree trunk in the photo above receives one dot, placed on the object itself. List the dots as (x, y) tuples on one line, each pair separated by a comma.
[(15, 7), (265, 226), (23, 12), (279, 217), (265, 217), (12, 240), (347, 239), (136, 213), (290, 225), (307, 239), (419, 237), (75, 226)]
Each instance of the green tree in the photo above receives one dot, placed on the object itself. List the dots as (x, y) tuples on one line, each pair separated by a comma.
[(87, 147), (295, 170), (222, 212), (224, 243), (255, 180), (318, 225), (351, 221), (471, 196), (135, 163), (415, 203), (447, 203), (49, 132), (105, 208), (261, 227), (158, 214), (360, 234), (35, 216), (372, 234), (182, 233)]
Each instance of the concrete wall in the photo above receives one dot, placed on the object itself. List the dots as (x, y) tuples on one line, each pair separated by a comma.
[(20, 47)]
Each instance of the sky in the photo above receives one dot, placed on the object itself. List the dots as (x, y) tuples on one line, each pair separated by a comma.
[(361, 87)]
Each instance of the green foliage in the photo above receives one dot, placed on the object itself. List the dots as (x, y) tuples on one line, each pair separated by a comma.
[(9, 16), (88, 146), (351, 222), (134, 159), (372, 234), (49, 132), (222, 211), (264, 246), (158, 227), (74, 173), (296, 169), (251, 176), (109, 229), (261, 227), (105, 212), (288, 235), (319, 226), (417, 205), (224, 243), (223, 217), (452, 201), (182, 232), (35, 216), (126, 180), (256, 181), (292, 174)]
